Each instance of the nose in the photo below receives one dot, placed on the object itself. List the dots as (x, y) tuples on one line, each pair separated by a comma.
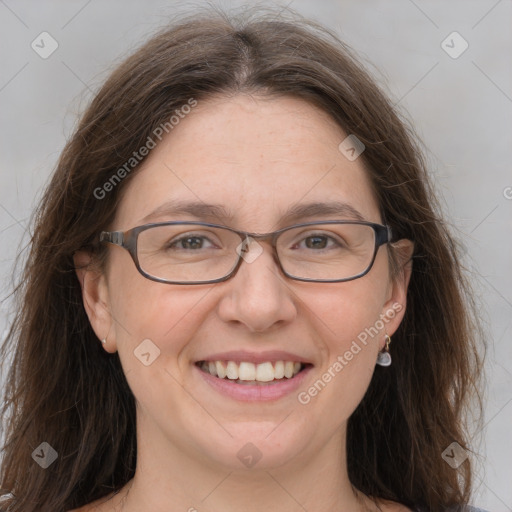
[(258, 295)]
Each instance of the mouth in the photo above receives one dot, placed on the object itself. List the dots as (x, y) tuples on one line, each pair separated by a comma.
[(253, 374)]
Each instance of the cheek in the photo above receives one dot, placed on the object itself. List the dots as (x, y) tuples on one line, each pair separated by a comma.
[(353, 342), (348, 364), (348, 323), (167, 315), (154, 324), (349, 310)]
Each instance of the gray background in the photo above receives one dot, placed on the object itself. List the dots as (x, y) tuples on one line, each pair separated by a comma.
[(461, 109)]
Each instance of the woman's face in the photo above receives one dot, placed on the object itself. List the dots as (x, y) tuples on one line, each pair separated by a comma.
[(256, 158)]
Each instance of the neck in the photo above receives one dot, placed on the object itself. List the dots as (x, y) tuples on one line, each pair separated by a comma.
[(315, 479)]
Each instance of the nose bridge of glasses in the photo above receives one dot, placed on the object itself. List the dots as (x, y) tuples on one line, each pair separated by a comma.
[(253, 243), (269, 239)]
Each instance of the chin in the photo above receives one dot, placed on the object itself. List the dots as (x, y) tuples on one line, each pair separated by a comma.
[(254, 446)]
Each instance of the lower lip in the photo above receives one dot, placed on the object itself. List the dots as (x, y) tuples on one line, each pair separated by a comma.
[(255, 392)]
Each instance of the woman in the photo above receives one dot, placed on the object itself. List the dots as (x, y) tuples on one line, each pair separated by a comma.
[(233, 236)]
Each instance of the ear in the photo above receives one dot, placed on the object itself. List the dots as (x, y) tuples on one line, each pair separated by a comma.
[(394, 308), (95, 297)]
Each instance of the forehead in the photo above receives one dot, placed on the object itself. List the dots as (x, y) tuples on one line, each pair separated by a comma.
[(254, 157)]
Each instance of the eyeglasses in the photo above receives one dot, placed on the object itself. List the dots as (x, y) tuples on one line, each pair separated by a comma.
[(199, 252)]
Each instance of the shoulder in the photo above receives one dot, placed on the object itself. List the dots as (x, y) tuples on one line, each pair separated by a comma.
[(105, 504), (466, 508), (460, 508), (393, 506), (91, 507), (95, 506)]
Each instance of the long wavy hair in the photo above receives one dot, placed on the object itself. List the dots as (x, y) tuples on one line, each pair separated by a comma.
[(64, 389)]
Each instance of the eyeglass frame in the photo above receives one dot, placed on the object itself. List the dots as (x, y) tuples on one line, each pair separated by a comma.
[(128, 240)]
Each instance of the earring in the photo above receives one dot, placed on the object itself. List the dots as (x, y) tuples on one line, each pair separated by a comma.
[(104, 340), (384, 357)]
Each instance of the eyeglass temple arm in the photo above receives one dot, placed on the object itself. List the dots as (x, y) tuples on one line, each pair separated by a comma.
[(383, 234), (114, 237)]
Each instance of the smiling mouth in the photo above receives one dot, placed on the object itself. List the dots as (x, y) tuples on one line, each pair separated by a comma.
[(253, 374)]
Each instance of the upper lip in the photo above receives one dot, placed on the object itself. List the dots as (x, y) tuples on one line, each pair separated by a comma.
[(256, 357)]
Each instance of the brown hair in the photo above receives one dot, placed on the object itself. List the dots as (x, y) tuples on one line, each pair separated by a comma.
[(63, 388)]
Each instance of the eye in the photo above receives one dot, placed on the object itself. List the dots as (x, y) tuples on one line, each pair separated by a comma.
[(190, 242), (316, 242), (320, 241)]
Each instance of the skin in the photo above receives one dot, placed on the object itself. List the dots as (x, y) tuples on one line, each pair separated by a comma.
[(269, 155)]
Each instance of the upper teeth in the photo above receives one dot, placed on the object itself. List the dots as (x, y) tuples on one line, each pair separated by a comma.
[(263, 372)]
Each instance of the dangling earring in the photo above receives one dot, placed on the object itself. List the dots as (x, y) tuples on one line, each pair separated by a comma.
[(384, 357)]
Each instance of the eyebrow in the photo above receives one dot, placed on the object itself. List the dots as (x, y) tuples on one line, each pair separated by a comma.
[(318, 209), (218, 212), (194, 208)]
